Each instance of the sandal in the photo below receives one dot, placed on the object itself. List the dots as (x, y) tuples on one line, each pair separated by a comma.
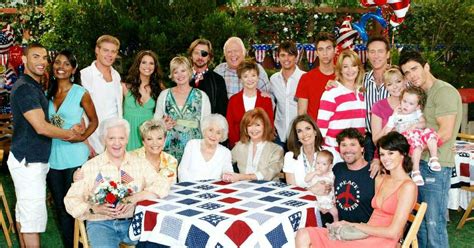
[(434, 165), (417, 178)]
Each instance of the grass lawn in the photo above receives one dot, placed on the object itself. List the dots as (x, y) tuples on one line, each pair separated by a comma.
[(463, 238)]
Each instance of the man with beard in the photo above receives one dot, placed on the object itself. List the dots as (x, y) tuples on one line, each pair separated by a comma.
[(353, 186), (201, 54)]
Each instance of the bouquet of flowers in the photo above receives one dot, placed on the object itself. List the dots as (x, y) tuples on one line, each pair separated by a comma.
[(109, 191)]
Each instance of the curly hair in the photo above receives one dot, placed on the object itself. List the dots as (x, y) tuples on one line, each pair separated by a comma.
[(133, 80), (419, 92)]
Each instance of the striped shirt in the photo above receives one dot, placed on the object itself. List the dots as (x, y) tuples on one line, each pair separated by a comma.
[(340, 108), (372, 95), (233, 83)]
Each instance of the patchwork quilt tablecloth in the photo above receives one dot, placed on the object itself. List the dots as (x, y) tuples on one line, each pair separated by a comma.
[(463, 175), (220, 214)]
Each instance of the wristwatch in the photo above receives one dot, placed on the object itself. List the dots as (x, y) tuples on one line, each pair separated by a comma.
[(91, 210)]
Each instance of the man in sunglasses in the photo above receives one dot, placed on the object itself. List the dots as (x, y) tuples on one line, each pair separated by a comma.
[(201, 54)]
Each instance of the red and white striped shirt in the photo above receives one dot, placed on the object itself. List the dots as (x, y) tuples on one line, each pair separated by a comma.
[(340, 108)]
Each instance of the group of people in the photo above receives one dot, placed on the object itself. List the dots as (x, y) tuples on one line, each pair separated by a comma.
[(331, 130)]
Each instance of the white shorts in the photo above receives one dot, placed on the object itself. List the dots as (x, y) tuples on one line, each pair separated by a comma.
[(30, 190)]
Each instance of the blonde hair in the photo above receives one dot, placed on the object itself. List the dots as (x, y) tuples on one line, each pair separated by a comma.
[(355, 61), (107, 38), (390, 73), (180, 61), (151, 125)]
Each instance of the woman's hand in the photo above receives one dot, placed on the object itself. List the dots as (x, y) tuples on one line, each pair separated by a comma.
[(169, 122), (231, 177), (123, 208), (105, 209), (77, 175)]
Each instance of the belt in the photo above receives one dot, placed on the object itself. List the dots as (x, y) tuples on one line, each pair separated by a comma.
[(129, 218)]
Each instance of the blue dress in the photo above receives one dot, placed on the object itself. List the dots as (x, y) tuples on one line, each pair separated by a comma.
[(66, 155)]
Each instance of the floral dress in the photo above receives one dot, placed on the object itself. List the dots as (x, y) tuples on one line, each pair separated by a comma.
[(188, 119)]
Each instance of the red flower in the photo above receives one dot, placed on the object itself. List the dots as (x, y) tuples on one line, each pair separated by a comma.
[(110, 198), (113, 184), (130, 191)]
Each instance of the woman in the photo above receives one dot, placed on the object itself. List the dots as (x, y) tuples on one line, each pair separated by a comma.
[(304, 142), (247, 99), (343, 106), (140, 90), (257, 157), (383, 109), (182, 107), (393, 202), (67, 103), (206, 159), (153, 134)]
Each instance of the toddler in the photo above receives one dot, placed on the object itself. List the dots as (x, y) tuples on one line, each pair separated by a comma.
[(323, 173), (408, 120)]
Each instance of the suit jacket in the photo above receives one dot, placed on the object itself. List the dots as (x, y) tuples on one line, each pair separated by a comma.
[(270, 163), (214, 86), (236, 110)]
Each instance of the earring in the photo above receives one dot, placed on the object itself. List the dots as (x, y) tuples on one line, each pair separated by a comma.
[(72, 78)]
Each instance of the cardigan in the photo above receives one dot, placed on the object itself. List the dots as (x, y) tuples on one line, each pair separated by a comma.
[(236, 110)]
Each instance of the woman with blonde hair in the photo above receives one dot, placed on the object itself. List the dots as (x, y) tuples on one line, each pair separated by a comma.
[(343, 106), (182, 107), (257, 157)]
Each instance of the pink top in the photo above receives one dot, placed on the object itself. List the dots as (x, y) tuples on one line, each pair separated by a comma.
[(383, 110)]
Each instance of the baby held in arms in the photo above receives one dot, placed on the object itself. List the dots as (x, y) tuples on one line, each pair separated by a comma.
[(323, 173)]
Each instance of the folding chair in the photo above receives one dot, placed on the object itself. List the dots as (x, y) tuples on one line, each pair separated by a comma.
[(465, 216), (415, 219), (80, 234)]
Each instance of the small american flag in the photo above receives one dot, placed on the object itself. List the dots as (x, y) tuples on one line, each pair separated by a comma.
[(4, 59), (6, 39), (99, 179), (10, 77), (125, 177)]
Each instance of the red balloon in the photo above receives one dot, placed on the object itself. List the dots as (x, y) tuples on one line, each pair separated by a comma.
[(15, 54)]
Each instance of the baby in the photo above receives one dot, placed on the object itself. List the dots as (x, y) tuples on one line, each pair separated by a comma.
[(323, 173), (408, 120)]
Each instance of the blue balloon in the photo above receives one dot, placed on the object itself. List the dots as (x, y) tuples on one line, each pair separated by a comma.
[(360, 25)]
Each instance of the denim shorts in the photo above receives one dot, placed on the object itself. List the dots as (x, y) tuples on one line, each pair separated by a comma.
[(108, 233)]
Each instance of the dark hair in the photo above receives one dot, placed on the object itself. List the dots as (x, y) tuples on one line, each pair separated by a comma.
[(325, 36), (394, 141), (289, 47), (249, 118), (247, 65), (418, 92), (411, 55), (381, 39), (53, 82), (133, 80), (327, 154), (293, 142), (32, 45), (350, 133), (201, 42)]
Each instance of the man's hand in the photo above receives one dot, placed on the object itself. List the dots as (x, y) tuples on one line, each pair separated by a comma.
[(331, 84), (374, 167), (78, 175), (320, 188), (266, 94), (74, 136)]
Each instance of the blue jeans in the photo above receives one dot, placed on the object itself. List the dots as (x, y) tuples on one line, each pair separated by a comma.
[(108, 233), (435, 193)]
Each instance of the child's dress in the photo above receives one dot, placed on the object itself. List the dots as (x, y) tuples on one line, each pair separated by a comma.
[(325, 201), (417, 137)]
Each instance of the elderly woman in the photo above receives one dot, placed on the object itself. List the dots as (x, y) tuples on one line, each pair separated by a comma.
[(182, 107), (107, 224), (205, 158), (153, 134), (257, 157), (393, 202), (343, 106)]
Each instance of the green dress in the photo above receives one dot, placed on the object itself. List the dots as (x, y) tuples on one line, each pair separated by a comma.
[(136, 114)]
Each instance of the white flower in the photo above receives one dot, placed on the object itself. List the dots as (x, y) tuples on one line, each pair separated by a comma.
[(316, 16), (285, 29)]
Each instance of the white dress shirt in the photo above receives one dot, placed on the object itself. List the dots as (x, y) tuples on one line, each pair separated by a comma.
[(286, 103)]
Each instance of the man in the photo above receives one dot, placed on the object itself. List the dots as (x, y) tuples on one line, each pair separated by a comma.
[(103, 83), (107, 225), (378, 50), (31, 146), (442, 113), (353, 186), (234, 53), (312, 84), (283, 85), (201, 54)]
